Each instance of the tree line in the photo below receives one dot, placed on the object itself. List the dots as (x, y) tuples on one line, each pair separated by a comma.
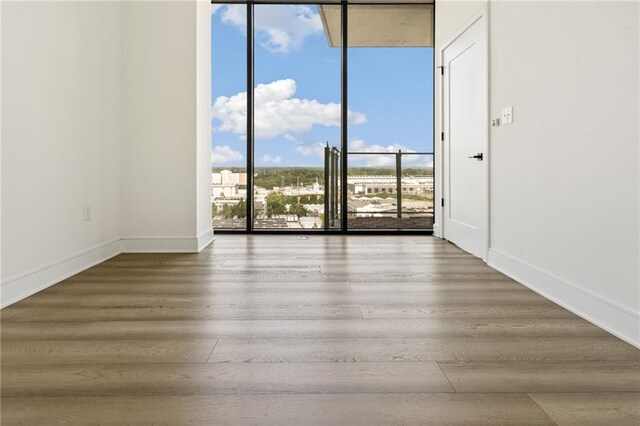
[(276, 205)]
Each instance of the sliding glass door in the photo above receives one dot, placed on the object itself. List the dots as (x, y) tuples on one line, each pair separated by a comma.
[(314, 134)]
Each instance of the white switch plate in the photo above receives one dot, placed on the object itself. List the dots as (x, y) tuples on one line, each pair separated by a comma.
[(86, 213), (507, 115)]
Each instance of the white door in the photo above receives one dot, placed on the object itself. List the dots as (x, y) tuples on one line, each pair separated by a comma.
[(465, 125)]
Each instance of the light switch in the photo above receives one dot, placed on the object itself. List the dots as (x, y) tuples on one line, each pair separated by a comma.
[(507, 115)]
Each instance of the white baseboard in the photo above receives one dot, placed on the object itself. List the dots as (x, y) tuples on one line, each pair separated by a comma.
[(604, 313), (159, 244), (205, 239), (24, 285), (436, 230)]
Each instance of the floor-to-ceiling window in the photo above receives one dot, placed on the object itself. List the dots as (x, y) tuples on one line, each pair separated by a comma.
[(229, 116), (297, 114), (328, 137), (390, 172)]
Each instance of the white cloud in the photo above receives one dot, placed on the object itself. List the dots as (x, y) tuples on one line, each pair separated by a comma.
[(279, 28), (215, 8), (277, 112), (236, 15), (384, 160), (268, 159), (222, 154), (316, 149)]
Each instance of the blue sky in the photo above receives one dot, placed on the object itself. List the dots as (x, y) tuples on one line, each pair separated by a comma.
[(297, 93)]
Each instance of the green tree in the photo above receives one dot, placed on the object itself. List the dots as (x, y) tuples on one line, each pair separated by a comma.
[(270, 177), (276, 204), (226, 212), (298, 209), (240, 209)]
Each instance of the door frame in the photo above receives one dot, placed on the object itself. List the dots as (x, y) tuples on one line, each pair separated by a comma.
[(439, 227)]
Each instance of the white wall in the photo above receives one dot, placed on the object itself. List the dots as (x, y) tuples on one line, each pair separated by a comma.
[(203, 96), (565, 178), (104, 104), (61, 133), (159, 116), (0, 151), (166, 142)]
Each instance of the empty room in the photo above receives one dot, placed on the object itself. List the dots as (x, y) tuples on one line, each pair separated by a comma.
[(342, 212)]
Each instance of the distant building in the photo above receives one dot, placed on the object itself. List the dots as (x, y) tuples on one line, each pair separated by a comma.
[(224, 190), (313, 189), (228, 184), (418, 185), (227, 177)]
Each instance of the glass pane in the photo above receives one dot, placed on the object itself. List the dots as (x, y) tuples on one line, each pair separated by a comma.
[(371, 191), (390, 73), (229, 115), (417, 191), (297, 115)]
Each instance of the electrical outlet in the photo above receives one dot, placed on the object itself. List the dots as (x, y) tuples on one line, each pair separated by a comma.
[(86, 213)]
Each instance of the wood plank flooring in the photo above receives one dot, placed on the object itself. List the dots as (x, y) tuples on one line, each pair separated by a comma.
[(329, 330)]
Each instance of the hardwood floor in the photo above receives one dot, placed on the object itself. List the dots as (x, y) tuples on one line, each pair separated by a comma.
[(328, 330)]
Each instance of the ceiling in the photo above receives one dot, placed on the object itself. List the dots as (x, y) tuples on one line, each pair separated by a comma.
[(407, 25)]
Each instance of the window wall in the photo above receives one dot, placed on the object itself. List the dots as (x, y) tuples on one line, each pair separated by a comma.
[(325, 129)]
